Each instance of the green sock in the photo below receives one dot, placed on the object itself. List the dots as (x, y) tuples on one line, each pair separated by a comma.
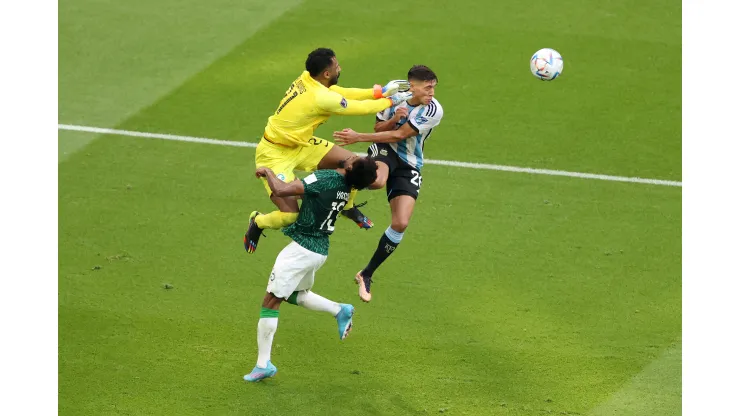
[(269, 313), (293, 298)]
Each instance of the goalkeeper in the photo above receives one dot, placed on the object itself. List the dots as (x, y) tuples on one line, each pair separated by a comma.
[(288, 143)]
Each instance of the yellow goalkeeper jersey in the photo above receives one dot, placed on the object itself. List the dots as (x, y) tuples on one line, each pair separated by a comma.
[(307, 104)]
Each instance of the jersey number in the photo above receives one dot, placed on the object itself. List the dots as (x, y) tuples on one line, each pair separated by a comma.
[(318, 142), (416, 179), (295, 89), (328, 224)]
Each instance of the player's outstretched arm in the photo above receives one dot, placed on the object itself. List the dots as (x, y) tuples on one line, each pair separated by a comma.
[(278, 187), (334, 103), (354, 93), (378, 91), (349, 136)]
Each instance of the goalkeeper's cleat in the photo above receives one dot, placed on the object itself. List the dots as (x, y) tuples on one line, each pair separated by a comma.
[(344, 320), (253, 234), (259, 373), (358, 217), (364, 283)]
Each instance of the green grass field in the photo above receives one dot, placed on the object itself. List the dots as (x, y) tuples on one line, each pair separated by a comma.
[(511, 294)]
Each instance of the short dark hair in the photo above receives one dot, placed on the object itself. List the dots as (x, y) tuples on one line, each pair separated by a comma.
[(363, 173), (421, 73), (318, 60)]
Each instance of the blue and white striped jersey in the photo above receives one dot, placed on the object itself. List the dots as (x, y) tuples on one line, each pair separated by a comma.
[(423, 119)]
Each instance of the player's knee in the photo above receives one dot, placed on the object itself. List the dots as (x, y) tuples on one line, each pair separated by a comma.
[(399, 224), (271, 301), (378, 184), (301, 298), (380, 181)]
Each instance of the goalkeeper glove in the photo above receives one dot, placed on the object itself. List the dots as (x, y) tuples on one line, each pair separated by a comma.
[(399, 97), (398, 85)]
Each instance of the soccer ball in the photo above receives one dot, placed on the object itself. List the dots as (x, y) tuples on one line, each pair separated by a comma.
[(546, 64)]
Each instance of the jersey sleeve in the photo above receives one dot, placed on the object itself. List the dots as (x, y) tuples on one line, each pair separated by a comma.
[(428, 118), (317, 182), (334, 103), (353, 93)]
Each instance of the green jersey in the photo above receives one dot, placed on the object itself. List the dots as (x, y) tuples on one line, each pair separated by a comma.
[(325, 196)]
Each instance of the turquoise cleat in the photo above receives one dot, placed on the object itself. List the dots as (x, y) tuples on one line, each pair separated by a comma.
[(259, 373), (344, 319)]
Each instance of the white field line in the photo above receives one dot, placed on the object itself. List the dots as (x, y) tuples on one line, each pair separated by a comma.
[(452, 163)]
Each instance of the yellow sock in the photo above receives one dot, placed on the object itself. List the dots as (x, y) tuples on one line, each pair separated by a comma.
[(351, 201), (276, 219)]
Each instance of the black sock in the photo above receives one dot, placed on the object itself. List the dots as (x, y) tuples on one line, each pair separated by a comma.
[(386, 247)]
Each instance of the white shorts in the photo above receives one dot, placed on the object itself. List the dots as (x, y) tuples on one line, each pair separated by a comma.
[(294, 270)]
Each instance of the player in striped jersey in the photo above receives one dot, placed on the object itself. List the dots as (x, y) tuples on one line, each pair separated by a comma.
[(398, 148)]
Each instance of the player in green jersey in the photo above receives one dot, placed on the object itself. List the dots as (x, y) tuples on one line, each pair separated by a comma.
[(324, 194)]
